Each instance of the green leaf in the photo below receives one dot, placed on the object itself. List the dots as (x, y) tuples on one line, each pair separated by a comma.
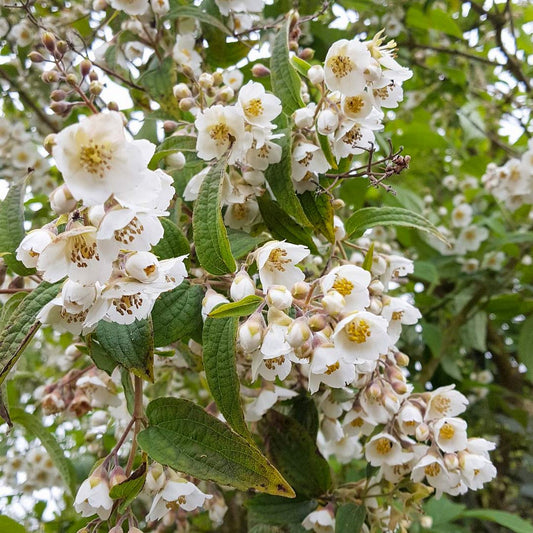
[(508, 520), (22, 325), (171, 145), (219, 339), (303, 410), (279, 176), (370, 217), (12, 224), (277, 511), (130, 345), (129, 489), (99, 356), (525, 342), (369, 259), (281, 225), (177, 314), (243, 243), (8, 525), (10, 306), (350, 518), (244, 307), (426, 271), (285, 80), (197, 14), (34, 426), (294, 452), (210, 236), (319, 211), (183, 436), (173, 244)]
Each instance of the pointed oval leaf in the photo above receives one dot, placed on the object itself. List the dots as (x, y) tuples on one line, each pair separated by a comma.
[(370, 217), (171, 145), (183, 436), (219, 338), (173, 244), (350, 518), (285, 80), (210, 236), (319, 211), (244, 307), (128, 489), (508, 520)]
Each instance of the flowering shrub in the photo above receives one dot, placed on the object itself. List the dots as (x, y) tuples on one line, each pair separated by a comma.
[(202, 325)]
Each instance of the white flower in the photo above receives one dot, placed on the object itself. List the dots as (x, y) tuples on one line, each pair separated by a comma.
[(131, 7), (23, 155), (357, 106), (178, 492), (143, 266), (383, 448), (101, 390), (251, 333), (160, 7), (258, 107), (493, 260), (279, 296), (354, 137), (61, 201), (450, 434), (327, 367), (210, 301), (327, 122), (242, 215), (96, 160), (74, 253), (32, 245), (93, 496), (462, 215), (320, 521), (361, 336), (305, 117), (241, 286), (433, 469), (22, 33), (155, 478), (259, 158), (352, 282), (475, 469), (233, 78), (308, 160), (254, 411), (277, 261), (408, 418), (345, 450), (386, 92), (397, 311), (192, 189), (219, 130), (184, 53), (316, 74), (445, 402), (344, 66), (470, 239)]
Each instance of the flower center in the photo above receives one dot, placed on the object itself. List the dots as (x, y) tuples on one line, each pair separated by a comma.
[(357, 422), (220, 134), (442, 404), (81, 252), (240, 211), (272, 363), (397, 315), (354, 104), (254, 108), (383, 446), (432, 470), (446, 431), (276, 261), (341, 66), (182, 500), (343, 286), (353, 136), (358, 331), (69, 318), (332, 368), (150, 269), (127, 234), (124, 304), (95, 158)]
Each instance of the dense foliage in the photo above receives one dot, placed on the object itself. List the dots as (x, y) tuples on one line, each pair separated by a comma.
[(266, 267)]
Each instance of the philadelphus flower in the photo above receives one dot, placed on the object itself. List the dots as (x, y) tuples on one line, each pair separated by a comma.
[(383, 448), (219, 130), (277, 261), (320, 521), (327, 367), (352, 282), (93, 496), (96, 160), (184, 53), (32, 245), (344, 66), (258, 107), (241, 286), (131, 7)]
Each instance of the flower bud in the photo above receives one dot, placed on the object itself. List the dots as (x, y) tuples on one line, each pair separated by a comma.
[(50, 76), (226, 94), (116, 529), (112, 106), (316, 74), (306, 54), (205, 80), (186, 104), (117, 476), (49, 142), (327, 122), (293, 45), (32, 245), (58, 95), (374, 391), (36, 57), (426, 522), (211, 300), (256, 178), (333, 302), (317, 322), (401, 359), (372, 73), (260, 71), (399, 387), (96, 88), (96, 214), (170, 126), (72, 79), (304, 117), (338, 203), (60, 108), (61, 201), (218, 79), (142, 266), (85, 67), (241, 286), (181, 90), (251, 333), (451, 461), (176, 161), (49, 41), (298, 333), (155, 478), (422, 432), (62, 47), (134, 529), (279, 297), (300, 289)]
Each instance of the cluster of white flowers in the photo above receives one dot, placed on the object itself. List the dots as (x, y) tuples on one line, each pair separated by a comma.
[(109, 207), (512, 183), (339, 333)]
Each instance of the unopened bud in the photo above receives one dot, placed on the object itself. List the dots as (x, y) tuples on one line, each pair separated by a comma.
[(205, 80), (50, 76), (49, 41), (327, 122), (306, 54), (279, 297), (376, 287), (251, 333), (260, 71), (36, 57), (241, 286), (117, 476), (61, 201), (49, 142), (155, 478), (293, 45), (60, 108), (399, 387), (217, 78), (186, 104), (401, 359), (374, 391), (333, 302), (58, 95), (226, 94), (188, 71), (317, 322), (338, 203), (422, 432), (170, 126), (181, 90), (451, 461), (298, 333), (112, 106), (96, 88), (93, 75), (304, 117), (211, 300), (316, 74), (300, 289), (72, 79), (176, 160), (143, 266), (426, 522), (62, 47)]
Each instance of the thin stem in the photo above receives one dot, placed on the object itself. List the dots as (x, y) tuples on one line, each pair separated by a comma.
[(138, 413)]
